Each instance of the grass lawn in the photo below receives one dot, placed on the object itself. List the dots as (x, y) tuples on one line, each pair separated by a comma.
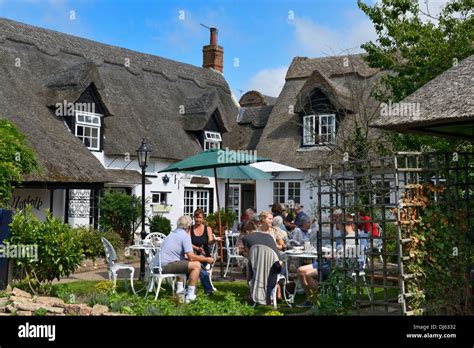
[(83, 290)]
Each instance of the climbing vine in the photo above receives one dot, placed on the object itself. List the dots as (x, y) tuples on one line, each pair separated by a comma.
[(437, 252)]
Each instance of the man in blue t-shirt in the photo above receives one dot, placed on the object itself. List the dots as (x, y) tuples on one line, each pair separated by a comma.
[(300, 215), (173, 251)]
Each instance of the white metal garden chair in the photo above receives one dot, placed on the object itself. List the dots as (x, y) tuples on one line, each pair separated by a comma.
[(156, 238), (214, 255), (156, 275), (232, 254), (113, 267)]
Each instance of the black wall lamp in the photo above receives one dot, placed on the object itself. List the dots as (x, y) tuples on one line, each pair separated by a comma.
[(166, 179)]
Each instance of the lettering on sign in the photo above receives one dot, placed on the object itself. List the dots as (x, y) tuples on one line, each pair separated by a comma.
[(18, 203)]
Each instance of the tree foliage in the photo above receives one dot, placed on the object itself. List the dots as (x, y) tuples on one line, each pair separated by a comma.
[(16, 160), (118, 213), (415, 47)]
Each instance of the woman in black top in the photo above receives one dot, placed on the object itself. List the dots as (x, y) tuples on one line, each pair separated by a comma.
[(201, 235), (201, 239)]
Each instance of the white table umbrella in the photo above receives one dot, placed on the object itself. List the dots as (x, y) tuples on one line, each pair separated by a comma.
[(270, 166)]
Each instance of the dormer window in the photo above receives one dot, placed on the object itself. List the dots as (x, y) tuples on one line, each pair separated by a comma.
[(212, 140), (319, 129), (88, 129)]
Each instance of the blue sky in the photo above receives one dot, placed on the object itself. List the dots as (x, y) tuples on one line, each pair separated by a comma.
[(262, 36)]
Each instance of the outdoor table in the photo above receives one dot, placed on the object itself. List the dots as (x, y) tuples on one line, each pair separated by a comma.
[(144, 247), (147, 248)]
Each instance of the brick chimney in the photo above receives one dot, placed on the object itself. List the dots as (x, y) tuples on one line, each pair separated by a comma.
[(213, 54)]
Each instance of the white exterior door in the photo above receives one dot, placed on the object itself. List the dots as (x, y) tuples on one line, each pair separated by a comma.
[(234, 199), (196, 199)]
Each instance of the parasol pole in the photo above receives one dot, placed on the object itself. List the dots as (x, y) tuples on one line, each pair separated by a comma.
[(227, 205), (219, 222)]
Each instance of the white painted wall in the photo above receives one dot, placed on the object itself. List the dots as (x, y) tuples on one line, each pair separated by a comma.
[(308, 195), (175, 187), (39, 199)]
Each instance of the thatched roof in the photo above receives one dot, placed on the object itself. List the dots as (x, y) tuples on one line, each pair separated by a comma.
[(345, 80), (256, 115), (446, 106), (124, 176), (142, 94), (255, 98), (252, 121)]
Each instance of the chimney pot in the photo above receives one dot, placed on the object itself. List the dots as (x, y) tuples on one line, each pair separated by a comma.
[(213, 36), (213, 54)]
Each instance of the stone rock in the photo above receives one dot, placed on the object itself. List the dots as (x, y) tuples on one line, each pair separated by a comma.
[(10, 309), (28, 306), (19, 299), (50, 301), (24, 313), (4, 314), (99, 309), (3, 300), (78, 309), (55, 314), (21, 293), (55, 310)]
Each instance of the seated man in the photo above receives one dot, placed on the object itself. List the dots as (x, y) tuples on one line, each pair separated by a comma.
[(301, 234), (308, 274), (174, 249)]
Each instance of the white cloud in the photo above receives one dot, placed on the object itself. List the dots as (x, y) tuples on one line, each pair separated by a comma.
[(268, 81), (317, 40)]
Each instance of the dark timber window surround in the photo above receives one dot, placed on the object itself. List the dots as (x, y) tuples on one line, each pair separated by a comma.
[(319, 120), (212, 140)]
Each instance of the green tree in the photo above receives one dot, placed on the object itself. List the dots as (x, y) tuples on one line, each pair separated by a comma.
[(118, 214), (16, 160), (416, 47)]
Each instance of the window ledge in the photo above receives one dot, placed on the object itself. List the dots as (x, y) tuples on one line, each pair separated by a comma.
[(314, 148)]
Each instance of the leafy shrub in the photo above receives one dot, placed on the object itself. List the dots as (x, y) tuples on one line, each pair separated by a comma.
[(92, 244), (97, 298), (104, 287), (212, 219), (64, 292), (203, 306), (118, 214), (160, 224), (273, 314), (337, 297), (59, 248), (41, 312)]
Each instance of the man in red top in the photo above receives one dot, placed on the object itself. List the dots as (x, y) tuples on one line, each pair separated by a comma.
[(366, 225)]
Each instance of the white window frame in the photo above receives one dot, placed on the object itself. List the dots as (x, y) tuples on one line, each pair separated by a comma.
[(234, 193), (286, 197), (309, 129), (94, 123), (200, 199), (212, 140), (160, 200)]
